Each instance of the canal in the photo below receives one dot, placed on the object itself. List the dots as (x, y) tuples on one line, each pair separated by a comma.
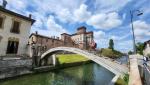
[(86, 74)]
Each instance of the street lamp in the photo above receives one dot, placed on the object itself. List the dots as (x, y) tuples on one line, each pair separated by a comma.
[(138, 14)]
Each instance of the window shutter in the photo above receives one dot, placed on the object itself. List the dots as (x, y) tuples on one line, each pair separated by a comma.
[(1, 22), (16, 26)]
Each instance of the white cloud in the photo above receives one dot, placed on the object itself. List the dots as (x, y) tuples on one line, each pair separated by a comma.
[(55, 28), (65, 16), (106, 6), (52, 28), (99, 38), (119, 38), (105, 21), (124, 46), (17, 5), (99, 35), (141, 28), (81, 14), (62, 9)]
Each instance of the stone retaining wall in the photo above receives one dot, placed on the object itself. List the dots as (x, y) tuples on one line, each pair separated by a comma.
[(14, 67)]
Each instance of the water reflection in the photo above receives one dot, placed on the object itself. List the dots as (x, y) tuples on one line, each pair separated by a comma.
[(89, 74)]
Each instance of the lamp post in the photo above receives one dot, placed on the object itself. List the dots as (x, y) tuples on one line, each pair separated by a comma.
[(138, 14)]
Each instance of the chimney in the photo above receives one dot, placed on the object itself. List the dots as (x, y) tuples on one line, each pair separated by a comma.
[(30, 16), (36, 32), (4, 4)]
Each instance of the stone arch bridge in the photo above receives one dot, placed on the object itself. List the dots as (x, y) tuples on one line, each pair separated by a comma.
[(115, 68)]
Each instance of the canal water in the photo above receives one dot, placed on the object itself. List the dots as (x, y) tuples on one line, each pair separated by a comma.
[(87, 74), (123, 60)]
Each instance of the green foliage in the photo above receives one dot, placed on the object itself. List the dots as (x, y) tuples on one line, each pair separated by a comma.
[(123, 81), (111, 44), (140, 48), (148, 55), (111, 53), (126, 78), (130, 52)]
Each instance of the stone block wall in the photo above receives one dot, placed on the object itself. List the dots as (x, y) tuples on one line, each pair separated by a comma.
[(14, 67)]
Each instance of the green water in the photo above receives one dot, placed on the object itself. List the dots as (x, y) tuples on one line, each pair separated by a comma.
[(88, 74)]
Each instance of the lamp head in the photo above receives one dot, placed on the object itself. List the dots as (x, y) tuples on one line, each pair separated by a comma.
[(139, 14)]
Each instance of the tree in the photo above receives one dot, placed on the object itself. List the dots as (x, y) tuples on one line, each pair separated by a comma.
[(130, 52), (111, 44), (140, 48)]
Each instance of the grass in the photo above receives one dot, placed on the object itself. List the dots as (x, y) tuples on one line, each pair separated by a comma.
[(110, 53), (70, 58), (123, 81)]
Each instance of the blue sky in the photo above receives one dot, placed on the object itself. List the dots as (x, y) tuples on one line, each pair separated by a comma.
[(106, 18)]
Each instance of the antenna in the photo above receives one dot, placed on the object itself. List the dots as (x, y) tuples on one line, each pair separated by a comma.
[(4, 3)]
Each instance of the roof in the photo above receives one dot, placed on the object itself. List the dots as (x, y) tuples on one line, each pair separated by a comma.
[(65, 34), (146, 42), (83, 27), (91, 32), (41, 36), (16, 14)]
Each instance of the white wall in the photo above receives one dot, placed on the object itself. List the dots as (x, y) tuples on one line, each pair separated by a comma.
[(78, 38), (146, 50), (22, 36)]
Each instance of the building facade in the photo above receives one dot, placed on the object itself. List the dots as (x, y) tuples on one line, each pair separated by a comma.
[(44, 43), (14, 32), (146, 50), (81, 39)]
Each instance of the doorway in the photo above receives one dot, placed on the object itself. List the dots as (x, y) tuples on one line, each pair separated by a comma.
[(12, 47)]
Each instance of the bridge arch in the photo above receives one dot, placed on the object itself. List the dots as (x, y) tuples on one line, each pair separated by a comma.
[(113, 67)]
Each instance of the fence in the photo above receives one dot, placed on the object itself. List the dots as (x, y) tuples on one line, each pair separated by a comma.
[(145, 74)]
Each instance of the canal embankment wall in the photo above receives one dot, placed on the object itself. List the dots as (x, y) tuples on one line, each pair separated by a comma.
[(14, 67), (61, 66), (17, 67)]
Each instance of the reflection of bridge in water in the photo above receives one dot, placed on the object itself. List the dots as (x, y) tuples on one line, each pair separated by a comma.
[(111, 66)]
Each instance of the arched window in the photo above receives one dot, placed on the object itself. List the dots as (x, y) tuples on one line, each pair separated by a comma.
[(12, 47)]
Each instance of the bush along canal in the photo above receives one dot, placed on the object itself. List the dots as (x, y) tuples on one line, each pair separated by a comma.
[(85, 74)]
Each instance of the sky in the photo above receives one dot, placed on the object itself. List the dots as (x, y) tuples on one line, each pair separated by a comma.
[(108, 19)]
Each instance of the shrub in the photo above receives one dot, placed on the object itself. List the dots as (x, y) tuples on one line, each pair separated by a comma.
[(111, 53)]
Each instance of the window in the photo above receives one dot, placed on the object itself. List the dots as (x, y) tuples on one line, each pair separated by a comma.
[(15, 27), (1, 22), (12, 47), (32, 39)]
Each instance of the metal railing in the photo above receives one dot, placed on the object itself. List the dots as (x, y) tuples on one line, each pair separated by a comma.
[(146, 75)]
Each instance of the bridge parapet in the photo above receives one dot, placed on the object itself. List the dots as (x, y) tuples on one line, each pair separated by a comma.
[(111, 66), (134, 78)]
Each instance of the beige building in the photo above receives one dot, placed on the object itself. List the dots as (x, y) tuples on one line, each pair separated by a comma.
[(146, 48), (83, 38), (14, 32)]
